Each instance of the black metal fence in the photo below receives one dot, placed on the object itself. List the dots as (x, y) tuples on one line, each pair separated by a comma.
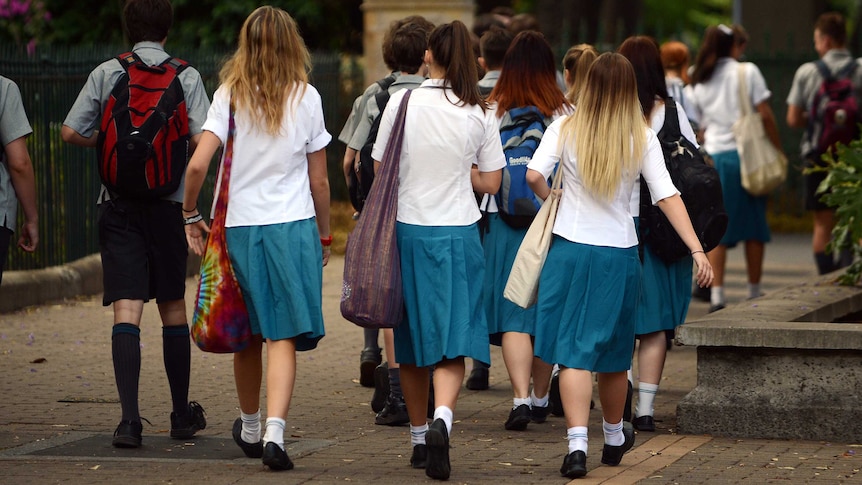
[(67, 183)]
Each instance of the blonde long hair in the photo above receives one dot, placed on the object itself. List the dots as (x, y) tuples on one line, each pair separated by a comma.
[(576, 63), (607, 131), (269, 67)]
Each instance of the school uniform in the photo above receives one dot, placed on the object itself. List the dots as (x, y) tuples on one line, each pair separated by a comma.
[(716, 107), (441, 255), (666, 287), (13, 125), (271, 231), (590, 283)]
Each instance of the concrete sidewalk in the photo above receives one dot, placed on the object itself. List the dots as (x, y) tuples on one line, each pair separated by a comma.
[(59, 409)]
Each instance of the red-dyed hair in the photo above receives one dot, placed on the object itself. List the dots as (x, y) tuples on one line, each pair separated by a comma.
[(528, 76)]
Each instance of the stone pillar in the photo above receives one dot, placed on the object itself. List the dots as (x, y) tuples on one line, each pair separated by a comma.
[(378, 14)]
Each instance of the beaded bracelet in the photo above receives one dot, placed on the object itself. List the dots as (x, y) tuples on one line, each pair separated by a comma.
[(326, 241), (698, 251), (193, 219)]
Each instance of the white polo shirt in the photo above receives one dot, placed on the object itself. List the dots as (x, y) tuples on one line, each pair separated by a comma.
[(442, 142), (716, 102), (584, 219), (269, 174)]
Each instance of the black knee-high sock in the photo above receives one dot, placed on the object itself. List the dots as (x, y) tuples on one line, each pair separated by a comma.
[(370, 335), (395, 382), (825, 263), (177, 354), (126, 351)]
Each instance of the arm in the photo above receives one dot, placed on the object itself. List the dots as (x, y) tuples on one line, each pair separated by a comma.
[(537, 182), (674, 209), (486, 182), (796, 116), (24, 183), (320, 194), (347, 163), (73, 137), (196, 172), (769, 124)]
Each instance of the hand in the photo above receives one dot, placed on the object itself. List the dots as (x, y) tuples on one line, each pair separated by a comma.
[(29, 238), (704, 269), (194, 236), (327, 251)]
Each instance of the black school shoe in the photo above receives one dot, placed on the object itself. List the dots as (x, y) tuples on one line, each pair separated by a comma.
[(369, 359), (128, 434), (613, 455), (644, 423), (185, 426), (574, 465), (478, 380), (251, 450), (437, 442), (381, 387), (276, 458), (519, 418), (394, 413), (555, 403), (420, 456), (539, 414)]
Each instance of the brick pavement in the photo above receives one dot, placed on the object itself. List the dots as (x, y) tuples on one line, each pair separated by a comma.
[(70, 398)]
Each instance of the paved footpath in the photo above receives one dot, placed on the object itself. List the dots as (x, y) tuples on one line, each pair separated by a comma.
[(59, 408)]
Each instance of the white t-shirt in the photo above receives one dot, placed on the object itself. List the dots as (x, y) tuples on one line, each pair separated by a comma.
[(442, 142), (657, 123), (269, 175), (716, 102), (584, 219)]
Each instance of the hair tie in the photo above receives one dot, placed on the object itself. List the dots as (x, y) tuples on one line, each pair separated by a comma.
[(725, 29)]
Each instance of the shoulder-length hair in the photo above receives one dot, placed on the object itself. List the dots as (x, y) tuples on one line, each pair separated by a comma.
[(675, 57), (576, 63), (269, 68), (452, 48), (607, 132), (528, 76), (717, 43), (643, 53)]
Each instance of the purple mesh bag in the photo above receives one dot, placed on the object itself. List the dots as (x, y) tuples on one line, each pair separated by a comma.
[(371, 295)]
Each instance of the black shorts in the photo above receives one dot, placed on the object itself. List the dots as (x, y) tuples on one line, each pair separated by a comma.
[(810, 182), (144, 250)]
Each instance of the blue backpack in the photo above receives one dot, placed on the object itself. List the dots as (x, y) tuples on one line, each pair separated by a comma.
[(521, 131)]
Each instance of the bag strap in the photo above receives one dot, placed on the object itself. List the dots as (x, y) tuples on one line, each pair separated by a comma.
[(744, 103), (671, 119), (390, 163), (223, 175)]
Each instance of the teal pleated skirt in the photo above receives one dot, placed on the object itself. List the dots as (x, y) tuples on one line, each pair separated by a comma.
[(442, 269), (665, 293), (746, 214), (588, 298), (501, 244), (279, 268)]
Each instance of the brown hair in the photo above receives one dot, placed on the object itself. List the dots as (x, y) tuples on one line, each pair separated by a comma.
[(832, 25), (717, 43), (388, 55), (451, 47), (408, 47), (493, 44), (674, 56), (529, 57), (642, 52), (147, 20)]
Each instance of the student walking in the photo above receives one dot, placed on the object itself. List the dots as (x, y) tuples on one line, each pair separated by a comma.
[(590, 283), (451, 147), (141, 239), (277, 223)]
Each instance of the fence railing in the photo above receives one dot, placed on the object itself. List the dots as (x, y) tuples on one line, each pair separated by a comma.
[(67, 183)]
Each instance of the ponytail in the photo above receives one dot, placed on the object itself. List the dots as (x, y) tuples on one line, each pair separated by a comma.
[(717, 43), (452, 49)]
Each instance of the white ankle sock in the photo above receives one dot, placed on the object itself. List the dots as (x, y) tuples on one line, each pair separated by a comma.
[(538, 402), (577, 436), (646, 398), (613, 433), (753, 290), (274, 431), (417, 434), (520, 400), (716, 295), (444, 413), (250, 427)]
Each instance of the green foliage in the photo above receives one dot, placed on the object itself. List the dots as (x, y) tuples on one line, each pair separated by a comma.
[(664, 18), (842, 189), (23, 22)]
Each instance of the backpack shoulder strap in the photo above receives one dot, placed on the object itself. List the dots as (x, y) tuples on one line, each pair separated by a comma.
[(847, 70), (128, 59), (386, 82), (178, 65), (823, 69), (381, 99), (671, 120)]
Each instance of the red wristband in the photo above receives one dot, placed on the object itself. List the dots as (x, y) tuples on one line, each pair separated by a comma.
[(326, 241)]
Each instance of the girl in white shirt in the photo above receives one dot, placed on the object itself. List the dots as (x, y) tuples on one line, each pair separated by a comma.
[(529, 57), (451, 147), (716, 104), (277, 225), (590, 283)]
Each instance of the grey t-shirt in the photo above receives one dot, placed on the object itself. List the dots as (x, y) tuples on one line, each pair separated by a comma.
[(86, 114), (13, 125), (367, 115), (807, 81)]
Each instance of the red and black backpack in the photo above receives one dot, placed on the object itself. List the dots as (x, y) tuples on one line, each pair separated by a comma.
[(144, 136)]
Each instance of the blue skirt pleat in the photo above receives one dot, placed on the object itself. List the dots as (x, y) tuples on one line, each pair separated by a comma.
[(588, 297), (279, 268), (442, 269), (746, 214), (501, 244)]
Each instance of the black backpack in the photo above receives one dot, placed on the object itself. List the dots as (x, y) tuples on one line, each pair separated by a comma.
[(360, 183), (700, 188)]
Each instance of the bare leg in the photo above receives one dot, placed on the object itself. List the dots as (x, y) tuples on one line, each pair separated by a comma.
[(414, 385), (280, 376), (576, 390), (541, 377), (518, 356), (613, 388), (248, 373), (754, 260), (651, 356), (448, 376), (718, 259)]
